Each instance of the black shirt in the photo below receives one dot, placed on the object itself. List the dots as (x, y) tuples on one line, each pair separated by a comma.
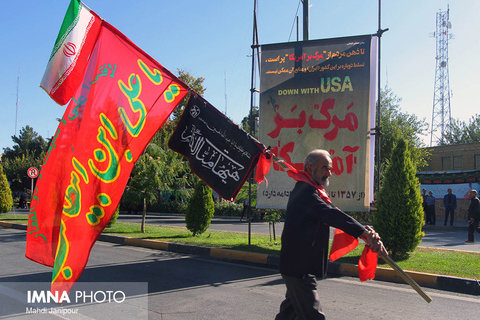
[(305, 236), (474, 209)]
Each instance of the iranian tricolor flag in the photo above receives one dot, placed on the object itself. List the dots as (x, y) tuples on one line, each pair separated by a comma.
[(69, 58)]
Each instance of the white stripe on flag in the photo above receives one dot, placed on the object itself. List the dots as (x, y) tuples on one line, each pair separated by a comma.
[(64, 60)]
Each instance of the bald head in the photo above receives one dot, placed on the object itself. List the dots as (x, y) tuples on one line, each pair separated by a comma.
[(315, 156), (471, 194)]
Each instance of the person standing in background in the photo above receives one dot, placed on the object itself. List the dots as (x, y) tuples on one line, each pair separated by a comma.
[(430, 208), (473, 214), (450, 203), (424, 205)]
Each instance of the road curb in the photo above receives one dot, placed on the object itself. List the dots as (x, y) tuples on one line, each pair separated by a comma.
[(446, 283), (427, 280), (13, 225)]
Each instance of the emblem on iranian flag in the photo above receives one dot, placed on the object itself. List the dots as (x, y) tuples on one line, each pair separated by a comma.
[(69, 49)]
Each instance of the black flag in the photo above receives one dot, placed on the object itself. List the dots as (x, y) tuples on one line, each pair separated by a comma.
[(218, 151)]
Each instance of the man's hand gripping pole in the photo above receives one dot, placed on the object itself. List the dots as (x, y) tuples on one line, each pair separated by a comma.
[(384, 255)]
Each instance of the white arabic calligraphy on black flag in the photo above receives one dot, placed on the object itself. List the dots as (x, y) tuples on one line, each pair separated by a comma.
[(218, 151)]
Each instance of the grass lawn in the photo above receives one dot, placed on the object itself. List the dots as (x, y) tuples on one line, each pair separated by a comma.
[(218, 239), (14, 218), (442, 262)]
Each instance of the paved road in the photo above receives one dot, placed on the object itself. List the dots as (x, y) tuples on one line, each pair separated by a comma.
[(189, 287), (435, 236)]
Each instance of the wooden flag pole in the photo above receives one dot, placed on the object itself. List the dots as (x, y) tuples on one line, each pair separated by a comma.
[(406, 277)]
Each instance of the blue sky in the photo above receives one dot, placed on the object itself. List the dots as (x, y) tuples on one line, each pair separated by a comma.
[(212, 39)]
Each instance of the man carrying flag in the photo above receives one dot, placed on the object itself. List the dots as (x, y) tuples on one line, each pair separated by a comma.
[(305, 237)]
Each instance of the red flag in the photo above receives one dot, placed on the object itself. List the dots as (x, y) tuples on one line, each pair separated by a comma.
[(125, 97), (367, 265), (342, 244), (263, 167)]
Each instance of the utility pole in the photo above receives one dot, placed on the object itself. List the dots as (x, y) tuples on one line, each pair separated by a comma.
[(378, 125), (253, 91), (306, 29)]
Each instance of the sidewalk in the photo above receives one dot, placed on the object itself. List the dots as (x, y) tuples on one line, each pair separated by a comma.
[(439, 237)]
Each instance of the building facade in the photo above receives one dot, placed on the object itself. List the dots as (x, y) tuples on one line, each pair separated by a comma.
[(455, 167), (454, 157)]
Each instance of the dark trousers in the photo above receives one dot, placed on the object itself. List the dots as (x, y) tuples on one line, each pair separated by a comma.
[(449, 211), (472, 226), (431, 215), (301, 300)]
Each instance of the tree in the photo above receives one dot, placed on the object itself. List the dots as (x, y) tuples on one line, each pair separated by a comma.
[(6, 200), (28, 151), (249, 122), (27, 141), (193, 83), (399, 215), (200, 209), (243, 194), (462, 132), (16, 169), (396, 125), (114, 218), (155, 172), (143, 183)]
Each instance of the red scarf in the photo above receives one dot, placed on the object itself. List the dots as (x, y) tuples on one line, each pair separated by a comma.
[(305, 177), (343, 243)]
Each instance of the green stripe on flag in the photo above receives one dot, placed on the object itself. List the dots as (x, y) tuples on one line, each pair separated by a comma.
[(69, 22)]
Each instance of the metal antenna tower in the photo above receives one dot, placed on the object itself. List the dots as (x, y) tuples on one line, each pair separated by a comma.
[(225, 92), (18, 101), (441, 115)]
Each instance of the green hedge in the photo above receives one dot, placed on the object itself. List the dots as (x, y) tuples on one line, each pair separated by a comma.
[(228, 209), (200, 209)]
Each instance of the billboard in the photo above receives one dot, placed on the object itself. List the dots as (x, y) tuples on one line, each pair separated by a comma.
[(320, 94)]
